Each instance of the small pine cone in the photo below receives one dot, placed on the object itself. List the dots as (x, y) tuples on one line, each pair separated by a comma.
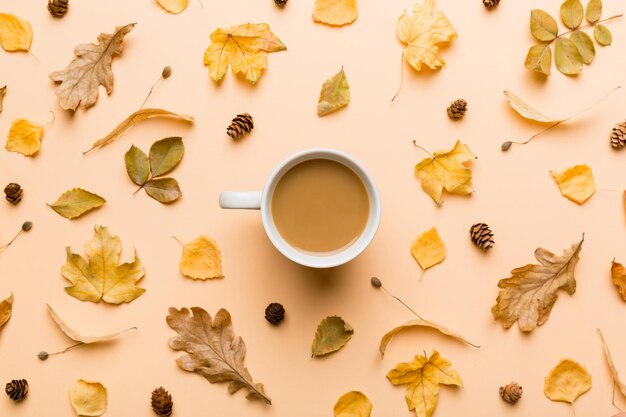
[(457, 109), (240, 125), (162, 402), (280, 2), (482, 236), (57, 8), (490, 4), (274, 313), (618, 136), (13, 193), (511, 393), (17, 389)]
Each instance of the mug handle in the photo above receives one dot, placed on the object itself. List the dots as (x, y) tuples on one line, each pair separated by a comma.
[(250, 200)]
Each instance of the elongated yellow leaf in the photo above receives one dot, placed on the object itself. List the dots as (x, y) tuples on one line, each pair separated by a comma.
[(567, 381), (585, 46), (6, 310), (526, 111), (133, 119), (543, 26), (614, 373), (353, 404), (332, 334), (567, 57), (173, 6), (76, 202), (539, 59), (24, 137), (428, 249), (88, 398), (16, 33), (77, 337), (603, 35), (201, 259), (594, 11), (335, 94), (575, 183), (335, 12), (572, 13)]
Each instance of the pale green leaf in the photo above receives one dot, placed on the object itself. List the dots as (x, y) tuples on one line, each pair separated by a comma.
[(164, 190), (539, 59), (76, 202), (543, 26), (594, 11), (603, 35), (353, 404), (572, 13), (165, 154), (568, 59), (137, 165), (584, 43), (335, 94), (332, 334)]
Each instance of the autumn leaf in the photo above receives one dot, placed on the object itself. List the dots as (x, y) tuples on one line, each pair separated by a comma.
[(530, 293), (24, 137), (6, 310), (567, 381), (165, 155), (423, 376), (335, 94), (575, 183), (3, 92), (137, 165), (567, 57), (201, 259), (609, 359), (164, 190), (603, 35), (16, 33), (173, 6), (133, 119), (76, 202), (526, 111), (213, 350), (594, 11), (332, 334), (543, 27), (335, 12), (100, 277), (539, 59), (244, 48), (82, 78), (353, 404), (584, 44), (446, 170), (88, 398), (428, 249), (422, 32), (572, 13), (618, 276)]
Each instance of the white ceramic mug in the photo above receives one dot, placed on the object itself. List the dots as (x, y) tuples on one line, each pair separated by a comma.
[(263, 201)]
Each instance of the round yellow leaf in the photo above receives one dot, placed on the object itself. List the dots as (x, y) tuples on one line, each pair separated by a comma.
[(201, 259), (24, 137), (428, 249), (335, 12), (575, 183), (567, 381), (173, 6), (88, 399), (16, 34), (353, 404)]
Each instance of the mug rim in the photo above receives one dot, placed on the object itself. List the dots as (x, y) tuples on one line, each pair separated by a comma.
[(334, 259)]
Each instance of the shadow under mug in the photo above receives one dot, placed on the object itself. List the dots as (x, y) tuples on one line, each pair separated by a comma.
[(263, 201)]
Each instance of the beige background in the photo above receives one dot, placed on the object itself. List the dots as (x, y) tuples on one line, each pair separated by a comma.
[(514, 194)]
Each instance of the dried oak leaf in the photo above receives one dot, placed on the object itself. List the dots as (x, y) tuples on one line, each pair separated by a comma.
[(609, 359), (100, 277), (16, 34), (530, 293), (567, 381), (173, 6), (422, 32), (575, 183), (618, 276), (422, 377), (88, 398), (428, 249), (76, 202), (213, 350), (332, 334), (334, 95), (3, 92), (81, 79), (335, 12), (24, 137), (244, 48), (201, 259), (353, 404), (6, 310)]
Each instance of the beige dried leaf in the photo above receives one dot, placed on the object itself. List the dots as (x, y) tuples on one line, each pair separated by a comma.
[(334, 95), (173, 6), (567, 381), (527, 111), (6, 310), (77, 337), (614, 373), (88, 398)]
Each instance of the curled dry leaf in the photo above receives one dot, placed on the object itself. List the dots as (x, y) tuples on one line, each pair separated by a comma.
[(353, 404), (422, 377), (174, 6), (332, 334), (244, 48), (428, 249), (575, 183), (201, 259), (3, 92), (335, 94), (213, 350), (24, 137), (422, 32), (133, 119), (16, 34), (530, 293), (567, 381), (618, 276), (609, 359), (88, 398), (91, 68), (6, 310), (335, 12), (76, 202), (527, 111), (100, 277)]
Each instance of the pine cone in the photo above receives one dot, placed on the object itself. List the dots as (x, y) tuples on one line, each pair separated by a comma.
[(457, 109), (618, 136), (57, 8), (274, 313), (482, 236), (13, 193), (280, 2), (17, 389), (490, 4), (162, 402), (511, 393), (240, 125)]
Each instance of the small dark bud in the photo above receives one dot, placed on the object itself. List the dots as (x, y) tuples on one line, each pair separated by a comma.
[(26, 226), (376, 282), (506, 146), (43, 355), (167, 71)]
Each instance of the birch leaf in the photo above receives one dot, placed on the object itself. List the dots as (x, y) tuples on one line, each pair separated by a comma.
[(82, 78), (77, 337), (609, 359), (353, 404), (137, 165), (526, 111), (543, 26), (332, 334), (133, 119), (575, 183), (618, 276), (572, 13), (428, 249), (585, 46), (173, 6), (16, 34), (6, 310), (594, 11), (165, 154), (567, 381), (3, 92), (201, 259), (88, 398), (539, 59), (335, 94), (335, 12), (603, 35), (76, 202), (567, 57), (163, 190), (24, 137)]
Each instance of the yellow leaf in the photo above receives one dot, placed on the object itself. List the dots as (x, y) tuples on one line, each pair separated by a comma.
[(526, 111), (3, 91), (335, 94), (422, 32), (16, 33), (585, 46), (572, 13), (332, 334), (445, 169), (609, 359), (173, 6), (6, 310), (422, 376), (24, 137), (353, 404), (603, 35), (594, 11), (567, 381), (335, 12), (100, 277), (244, 48), (575, 183), (88, 398), (76, 202), (77, 337), (201, 259), (428, 249), (567, 57), (618, 276), (539, 59), (543, 26)]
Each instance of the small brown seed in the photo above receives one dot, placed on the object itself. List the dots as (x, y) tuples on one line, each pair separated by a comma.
[(506, 146), (167, 71), (26, 226), (43, 355), (376, 282)]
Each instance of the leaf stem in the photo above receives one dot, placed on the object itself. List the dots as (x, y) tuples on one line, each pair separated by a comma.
[(418, 146), (401, 77), (178, 240), (150, 92), (402, 302), (6, 245), (587, 26), (54, 117)]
